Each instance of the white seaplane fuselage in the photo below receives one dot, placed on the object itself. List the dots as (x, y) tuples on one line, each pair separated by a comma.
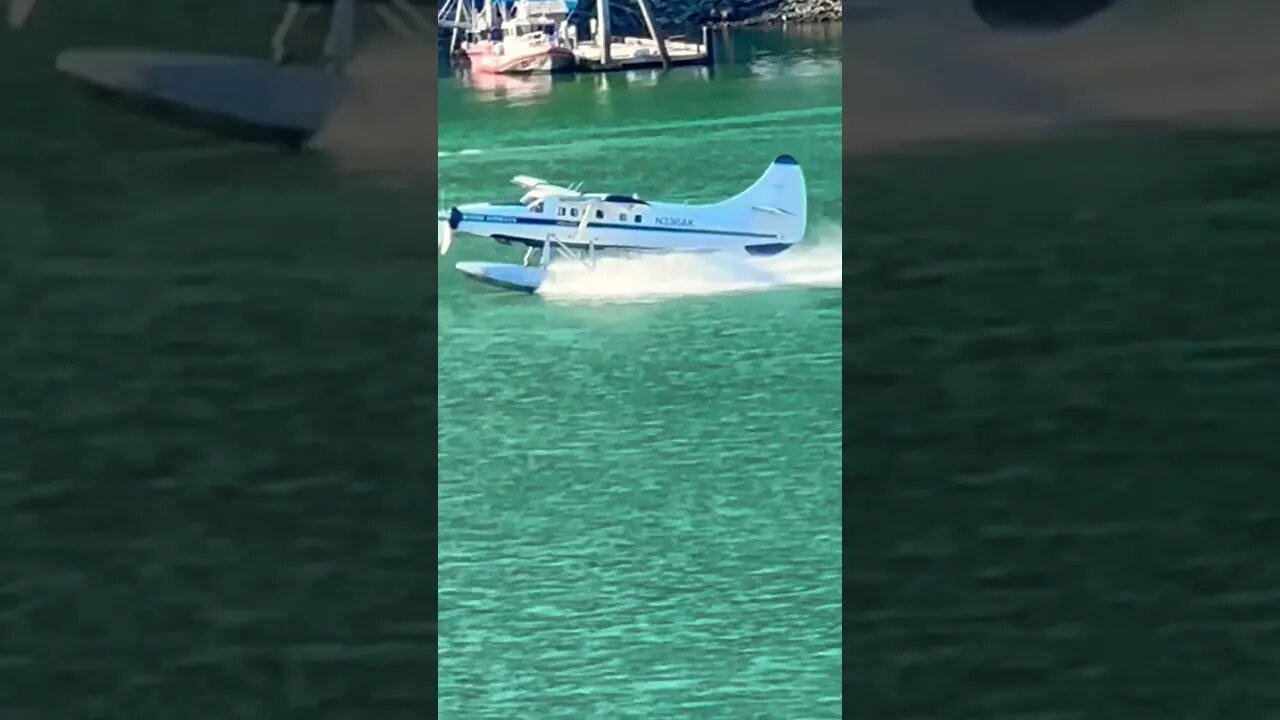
[(766, 219)]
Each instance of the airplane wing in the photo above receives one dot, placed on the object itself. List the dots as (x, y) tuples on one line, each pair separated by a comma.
[(526, 182), (536, 189)]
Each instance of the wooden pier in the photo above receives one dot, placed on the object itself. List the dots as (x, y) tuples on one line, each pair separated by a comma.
[(642, 53), (605, 53), (601, 51)]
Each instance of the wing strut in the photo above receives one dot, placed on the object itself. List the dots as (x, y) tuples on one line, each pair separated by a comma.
[(582, 238)]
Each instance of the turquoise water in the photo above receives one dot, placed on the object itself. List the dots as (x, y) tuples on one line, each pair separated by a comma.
[(215, 473), (1064, 404), (640, 474), (1062, 366)]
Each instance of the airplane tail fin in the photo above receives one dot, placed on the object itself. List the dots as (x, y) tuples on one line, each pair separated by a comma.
[(778, 200)]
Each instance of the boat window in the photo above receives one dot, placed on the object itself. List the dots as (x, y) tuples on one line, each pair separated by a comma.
[(574, 212), (623, 217)]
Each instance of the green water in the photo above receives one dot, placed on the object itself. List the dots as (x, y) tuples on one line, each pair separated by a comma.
[(215, 472), (639, 497), (1064, 450), (215, 424)]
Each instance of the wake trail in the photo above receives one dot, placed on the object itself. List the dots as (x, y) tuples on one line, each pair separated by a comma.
[(816, 263), (553, 139), (651, 143)]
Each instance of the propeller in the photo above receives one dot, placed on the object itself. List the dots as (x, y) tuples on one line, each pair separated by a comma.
[(19, 11), (445, 236), (448, 222)]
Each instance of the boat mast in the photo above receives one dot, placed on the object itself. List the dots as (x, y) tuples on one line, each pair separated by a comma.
[(457, 18)]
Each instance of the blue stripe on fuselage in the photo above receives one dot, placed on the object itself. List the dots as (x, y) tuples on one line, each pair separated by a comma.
[(507, 219), (764, 250)]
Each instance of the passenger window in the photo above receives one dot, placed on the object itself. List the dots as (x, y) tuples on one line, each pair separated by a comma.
[(561, 211), (573, 212), (599, 214), (623, 217), (639, 218)]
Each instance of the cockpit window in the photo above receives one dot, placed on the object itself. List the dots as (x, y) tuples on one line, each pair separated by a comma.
[(536, 207)]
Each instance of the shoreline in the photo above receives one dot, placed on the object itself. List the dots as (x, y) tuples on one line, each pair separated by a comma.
[(775, 12)]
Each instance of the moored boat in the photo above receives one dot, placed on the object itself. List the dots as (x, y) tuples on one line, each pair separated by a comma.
[(528, 37)]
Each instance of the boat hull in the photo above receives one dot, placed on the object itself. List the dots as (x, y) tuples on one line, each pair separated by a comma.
[(505, 275), (542, 61)]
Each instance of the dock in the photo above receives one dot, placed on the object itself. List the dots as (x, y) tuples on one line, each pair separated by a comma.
[(601, 51), (635, 53), (605, 53)]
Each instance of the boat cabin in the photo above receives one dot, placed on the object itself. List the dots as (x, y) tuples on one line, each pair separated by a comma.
[(532, 20), (542, 11)]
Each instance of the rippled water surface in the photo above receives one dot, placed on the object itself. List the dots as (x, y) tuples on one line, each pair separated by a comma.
[(1061, 357), (1062, 363), (640, 473), (1063, 391), (216, 495)]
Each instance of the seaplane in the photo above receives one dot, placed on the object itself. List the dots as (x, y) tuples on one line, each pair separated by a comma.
[(557, 223)]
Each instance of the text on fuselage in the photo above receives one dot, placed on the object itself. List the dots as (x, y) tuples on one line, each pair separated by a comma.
[(674, 221)]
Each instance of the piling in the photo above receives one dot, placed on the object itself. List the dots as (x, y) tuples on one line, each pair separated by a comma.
[(655, 33), (603, 36)]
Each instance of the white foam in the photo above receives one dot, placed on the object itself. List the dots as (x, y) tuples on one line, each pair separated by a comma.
[(816, 263)]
